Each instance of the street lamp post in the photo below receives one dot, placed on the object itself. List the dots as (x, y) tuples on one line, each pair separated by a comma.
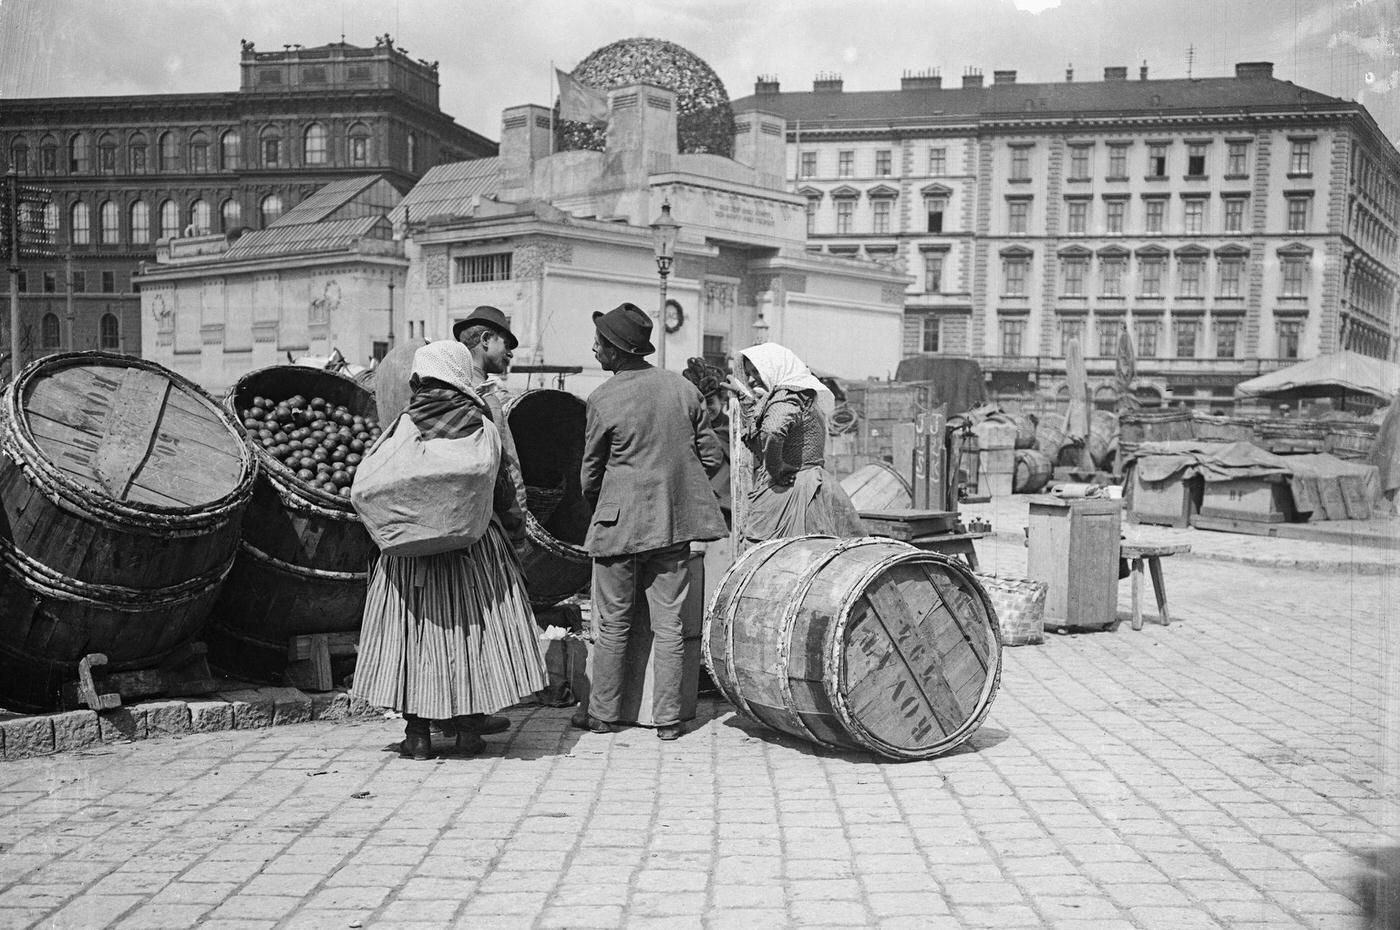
[(664, 231), (391, 310)]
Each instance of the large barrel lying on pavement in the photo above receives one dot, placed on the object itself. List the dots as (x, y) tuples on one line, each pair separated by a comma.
[(857, 644), (878, 486), (123, 487), (548, 429)]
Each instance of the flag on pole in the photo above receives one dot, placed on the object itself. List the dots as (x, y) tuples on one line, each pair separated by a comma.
[(579, 102)]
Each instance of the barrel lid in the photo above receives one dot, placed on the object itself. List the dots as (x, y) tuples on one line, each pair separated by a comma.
[(131, 431)]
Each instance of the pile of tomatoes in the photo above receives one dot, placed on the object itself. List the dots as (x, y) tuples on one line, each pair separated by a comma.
[(320, 442)]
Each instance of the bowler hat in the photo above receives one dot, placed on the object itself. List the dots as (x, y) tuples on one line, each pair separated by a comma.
[(489, 317), (626, 326)]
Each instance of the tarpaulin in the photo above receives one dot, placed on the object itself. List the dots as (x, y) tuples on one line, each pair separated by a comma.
[(1213, 461)]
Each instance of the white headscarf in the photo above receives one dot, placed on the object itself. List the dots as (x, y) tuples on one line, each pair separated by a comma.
[(446, 360), (779, 367)]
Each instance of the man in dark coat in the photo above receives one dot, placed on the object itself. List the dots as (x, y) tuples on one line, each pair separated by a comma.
[(648, 452)]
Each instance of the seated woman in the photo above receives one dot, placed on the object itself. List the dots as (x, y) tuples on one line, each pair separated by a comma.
[(785, 409)]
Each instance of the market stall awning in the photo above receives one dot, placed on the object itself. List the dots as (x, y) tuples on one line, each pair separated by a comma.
[(1327, 376)]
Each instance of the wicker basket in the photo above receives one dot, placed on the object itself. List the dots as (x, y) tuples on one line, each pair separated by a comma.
[(1020, 608)]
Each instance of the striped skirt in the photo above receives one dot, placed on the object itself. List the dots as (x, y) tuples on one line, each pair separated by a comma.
[(449, 634)]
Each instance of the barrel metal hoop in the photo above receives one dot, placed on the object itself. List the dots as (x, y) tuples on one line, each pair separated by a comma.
[(737, 697), (44, 580), (318, 573)]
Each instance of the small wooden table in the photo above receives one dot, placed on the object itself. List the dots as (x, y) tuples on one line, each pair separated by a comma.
[(1136, 554), (953, 544)]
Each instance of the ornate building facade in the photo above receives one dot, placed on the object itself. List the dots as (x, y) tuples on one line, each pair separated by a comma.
[(1232, 224), (129, 172)]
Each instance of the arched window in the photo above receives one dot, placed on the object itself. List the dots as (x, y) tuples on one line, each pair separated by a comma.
[(19, 156), (169, 152), (80, 224), (109, 224), (270, 144), (169, 220), (109, 333), (412, 153), (357, 145), (140, 223), (230, 215), (270, 208), (199, 218), (136, 153), (199, 152), (51, 219), (78, 154), (229, 150), (48, 332), (48, 155), (107, 154), (313, 149)]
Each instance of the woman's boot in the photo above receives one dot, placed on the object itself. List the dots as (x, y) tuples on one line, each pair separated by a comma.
[(418, 741), (481, 724)]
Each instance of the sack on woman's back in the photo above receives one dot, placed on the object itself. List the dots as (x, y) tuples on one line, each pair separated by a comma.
[(421, 496)]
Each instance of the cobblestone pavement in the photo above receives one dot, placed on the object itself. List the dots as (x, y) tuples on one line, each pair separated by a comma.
[(1210, 774)]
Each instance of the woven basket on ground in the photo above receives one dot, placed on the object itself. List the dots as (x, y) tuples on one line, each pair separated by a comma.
[(1020, 607)]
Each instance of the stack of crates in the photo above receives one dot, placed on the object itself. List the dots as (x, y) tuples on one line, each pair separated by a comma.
[(997, 441)]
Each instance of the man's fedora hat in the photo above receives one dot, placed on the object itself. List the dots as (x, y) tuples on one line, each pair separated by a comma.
[(626, 326), (490, 317)]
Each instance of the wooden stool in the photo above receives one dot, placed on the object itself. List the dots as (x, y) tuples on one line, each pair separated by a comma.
[(1152, 555)]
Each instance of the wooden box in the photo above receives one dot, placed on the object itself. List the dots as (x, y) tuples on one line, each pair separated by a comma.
[(1163, 503), (1073, 547), (1257, 499), (908, 524), (998, 461), (891, 400)]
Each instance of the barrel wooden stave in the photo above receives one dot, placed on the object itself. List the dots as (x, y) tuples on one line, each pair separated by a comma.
[(878, 486), (1033, 471)]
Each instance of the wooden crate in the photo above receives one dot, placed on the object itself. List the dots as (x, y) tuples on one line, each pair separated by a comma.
[(1162, 503), (998, 461), (891, 401), (908, 524), (1073, 547), (1257, 499)]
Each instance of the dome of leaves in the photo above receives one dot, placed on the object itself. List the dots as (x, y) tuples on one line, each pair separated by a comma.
[(705, 122)]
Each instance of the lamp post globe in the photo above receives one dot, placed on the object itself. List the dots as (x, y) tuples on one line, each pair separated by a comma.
[(664, 231)]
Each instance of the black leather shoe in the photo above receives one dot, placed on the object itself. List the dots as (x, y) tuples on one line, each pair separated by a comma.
[(669, 733), (586, 721), (481, 724), (417, 748), (469, 744)]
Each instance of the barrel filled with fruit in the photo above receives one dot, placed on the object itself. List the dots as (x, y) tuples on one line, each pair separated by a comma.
[(304, 555)]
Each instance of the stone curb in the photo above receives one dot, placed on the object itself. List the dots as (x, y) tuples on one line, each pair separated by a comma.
[(245, 709)]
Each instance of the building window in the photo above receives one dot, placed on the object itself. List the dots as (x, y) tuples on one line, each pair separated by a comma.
[(1156, 211), (930, 333), (107, 154), (1290, 334), (713, 349), (136, 154), (845, 209), (1231, 276), (230, 215), (48, 155), (1071, 331), (412, 153), (475, 269), (270, 208), (22, 282), (313, 145), (881, 222), (109, 224), (1147, 332), (1077, 219), (1116, 210), (1018, 215), (811, 215), (1189, 271), (1234, 214), (1151, 277), (1108, 338), (1074, 269), (1079, 163), (19, 156), (1300, 157), (1196, 160), (1014, 271), (48, 332), (809, 164), (1227, 334), (1118, 161), (78, 154), (1021, 163), (109, 282), (845, 164), (934, 207), (140, 223), (50, 282), (882, 163), (358, 139), (200, 218), (1188, 333), (271, 151), (1112, 270), (938, 161), (1236, 156), (169, 152), (1157, 161), (199, 152), (109, 333), (1193, 215), (1298, 214), (1012, 335), (1295, 277), (933, 272), (77, 282), (229, 151), (80, 224)]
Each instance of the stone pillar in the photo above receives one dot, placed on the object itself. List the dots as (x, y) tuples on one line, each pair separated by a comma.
[(641, 136), (760, 142), (525, 139)]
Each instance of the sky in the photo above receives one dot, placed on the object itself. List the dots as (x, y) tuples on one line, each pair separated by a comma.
[(497, 53)]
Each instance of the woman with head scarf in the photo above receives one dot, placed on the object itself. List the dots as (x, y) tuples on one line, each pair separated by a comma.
[(785, 412), (450, 638)]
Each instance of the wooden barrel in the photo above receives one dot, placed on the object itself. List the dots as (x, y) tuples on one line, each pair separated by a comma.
[(857, 644), (1025, 429), (122, 486), (1050, 436), (878, 486), (1033, 471), (303, 560), (1103, 437), (548, 429)]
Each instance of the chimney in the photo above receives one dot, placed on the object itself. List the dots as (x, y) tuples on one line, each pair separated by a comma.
[(1069, 74), (921, 80), (1142, 72), (1115, 74), (972, 77), (1003, 77), (766, 84), (1254, 69), (827, 83)]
